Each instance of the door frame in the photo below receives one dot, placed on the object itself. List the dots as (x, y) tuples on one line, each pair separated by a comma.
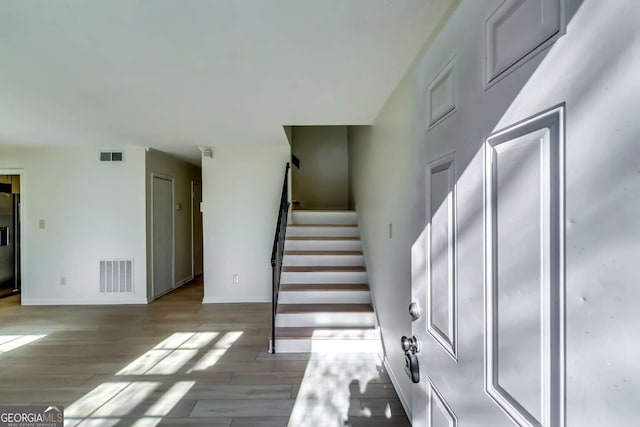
[(155, 175), (22, 247), (193, 237)]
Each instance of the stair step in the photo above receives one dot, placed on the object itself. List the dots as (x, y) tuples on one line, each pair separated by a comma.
[(323, 269), (324, 293), (324, 238), (323, 217), (322, 244), (322, 258), (324, 308), (322, 230), (327, 340), (319, 287), (322, 225), (323, 253), (324, 333), (325, 315)]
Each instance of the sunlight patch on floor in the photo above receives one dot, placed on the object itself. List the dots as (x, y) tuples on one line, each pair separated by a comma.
[(11, 342), (170, 399), (220, 348), (93, 400), (110, 402), (324, 398), (169, 356)]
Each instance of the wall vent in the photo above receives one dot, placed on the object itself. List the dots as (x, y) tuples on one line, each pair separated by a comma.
[(111, 156), (116, 276)]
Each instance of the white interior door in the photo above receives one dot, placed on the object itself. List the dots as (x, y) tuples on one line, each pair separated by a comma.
[(491, 326), (197, 228), (162, 236)]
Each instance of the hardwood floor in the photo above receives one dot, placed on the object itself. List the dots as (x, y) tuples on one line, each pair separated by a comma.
[(178, 362)]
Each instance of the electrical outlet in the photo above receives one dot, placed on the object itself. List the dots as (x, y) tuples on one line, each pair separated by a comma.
[(391, 231), (63, 280), (236, 278)]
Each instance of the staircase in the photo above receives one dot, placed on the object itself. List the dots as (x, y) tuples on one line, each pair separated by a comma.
[(324, 304)]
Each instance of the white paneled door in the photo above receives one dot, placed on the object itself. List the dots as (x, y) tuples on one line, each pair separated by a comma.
[(525, 262), (488, 284)]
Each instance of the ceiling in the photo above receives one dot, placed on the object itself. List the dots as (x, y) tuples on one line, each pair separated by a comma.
[(176, 74)]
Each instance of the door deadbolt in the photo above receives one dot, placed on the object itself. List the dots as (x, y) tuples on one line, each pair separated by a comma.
[(414, 311)]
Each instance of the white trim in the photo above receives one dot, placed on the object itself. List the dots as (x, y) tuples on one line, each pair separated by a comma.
[(396, 385), (193, 238), (88, 301), (234, 300)]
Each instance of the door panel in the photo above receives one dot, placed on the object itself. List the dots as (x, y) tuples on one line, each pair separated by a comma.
[(162, 237), (524, 270), (441, 281)]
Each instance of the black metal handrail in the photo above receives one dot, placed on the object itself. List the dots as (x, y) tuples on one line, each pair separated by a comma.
[(278, 253)]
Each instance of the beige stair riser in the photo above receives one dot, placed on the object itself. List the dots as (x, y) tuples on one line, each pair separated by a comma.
[(323, 277), (323, 231), (324, 319), (324, 297), (322, 245), (325, 260), (326, 217)]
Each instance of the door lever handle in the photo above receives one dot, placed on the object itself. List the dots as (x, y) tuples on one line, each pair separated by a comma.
[(410, 345)]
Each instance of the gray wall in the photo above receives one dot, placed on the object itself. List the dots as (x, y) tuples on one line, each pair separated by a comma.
[(322, 182)]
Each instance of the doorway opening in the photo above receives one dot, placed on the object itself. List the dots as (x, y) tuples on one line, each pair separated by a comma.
[(10, 254)]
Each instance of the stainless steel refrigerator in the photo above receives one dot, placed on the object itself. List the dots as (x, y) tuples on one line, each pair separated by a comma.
[(9, 242)]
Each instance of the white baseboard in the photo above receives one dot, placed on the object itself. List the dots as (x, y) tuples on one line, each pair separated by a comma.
[(230, 300), (88, 301), (396, 385)]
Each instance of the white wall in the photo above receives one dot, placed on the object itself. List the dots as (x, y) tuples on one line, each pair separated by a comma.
[(241, 190), (91, 210), (183, 174), (593, 69), (380, 172)]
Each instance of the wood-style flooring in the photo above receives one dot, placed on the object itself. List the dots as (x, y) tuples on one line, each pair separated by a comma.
[(181, 363)]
